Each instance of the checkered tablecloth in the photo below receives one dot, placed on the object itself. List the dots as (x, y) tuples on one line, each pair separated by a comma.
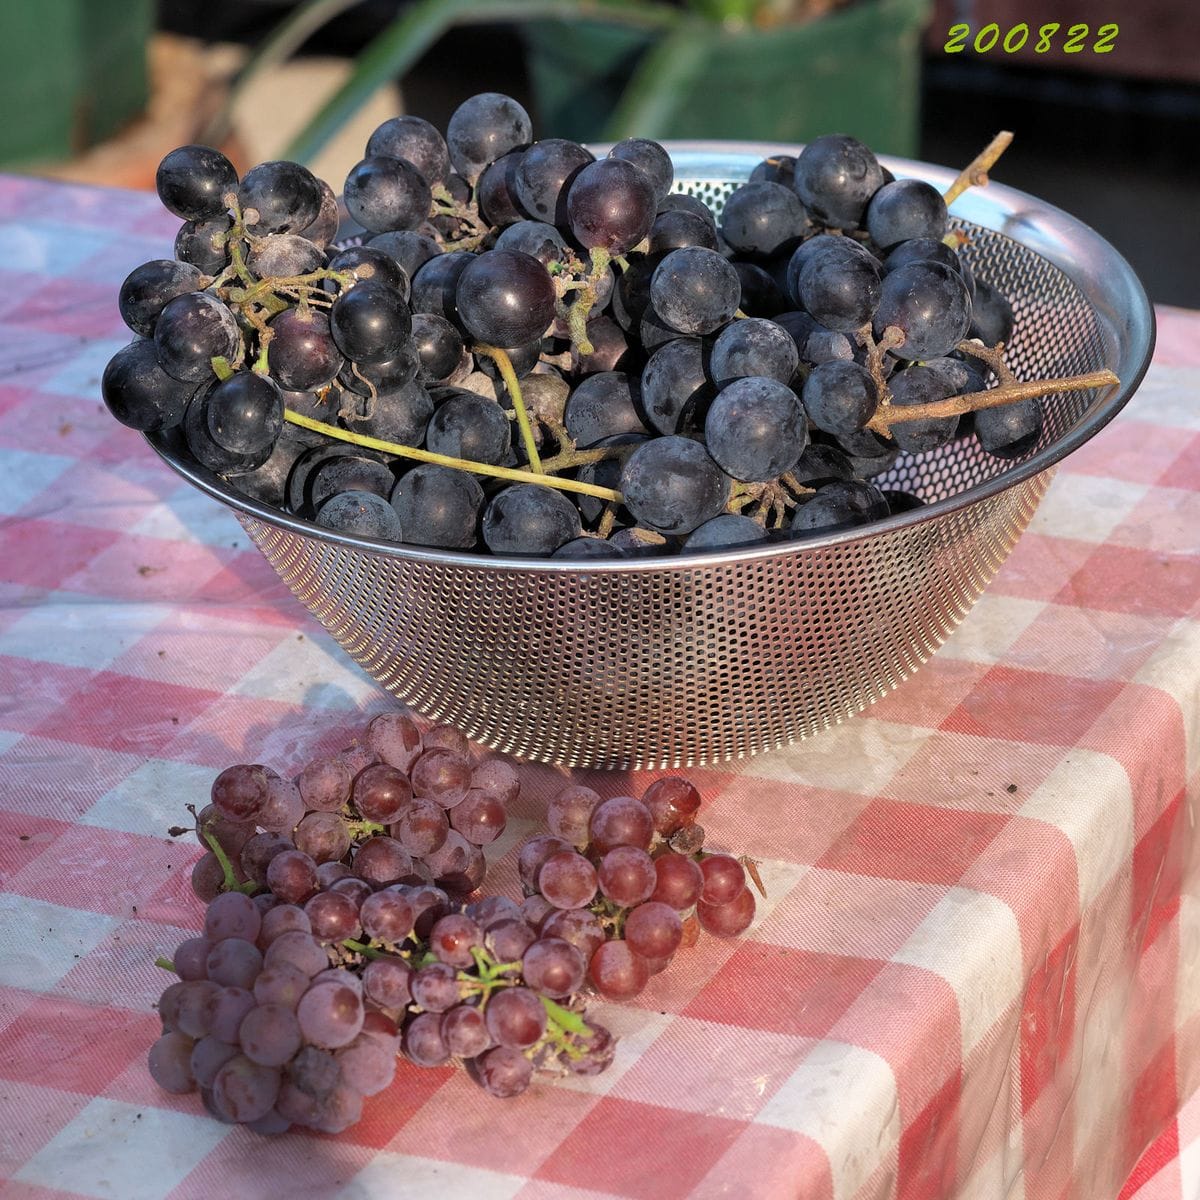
[(976, 973)]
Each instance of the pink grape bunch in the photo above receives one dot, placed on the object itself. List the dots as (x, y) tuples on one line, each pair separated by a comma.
[(401, 806), (627, 883)]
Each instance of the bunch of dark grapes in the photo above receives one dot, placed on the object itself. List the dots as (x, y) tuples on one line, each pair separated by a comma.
[(344, 925), (653, 374), (627, 882), (401, 807)]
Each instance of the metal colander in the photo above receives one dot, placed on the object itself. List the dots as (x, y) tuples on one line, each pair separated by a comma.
[(682, 661)]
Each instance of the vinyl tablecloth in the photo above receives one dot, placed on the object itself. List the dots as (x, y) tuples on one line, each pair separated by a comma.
[(976, 971)]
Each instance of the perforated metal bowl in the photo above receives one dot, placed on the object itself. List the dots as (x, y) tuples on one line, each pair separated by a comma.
[(682, 661)]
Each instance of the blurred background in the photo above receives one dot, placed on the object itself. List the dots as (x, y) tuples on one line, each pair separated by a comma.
[(1107, 123)]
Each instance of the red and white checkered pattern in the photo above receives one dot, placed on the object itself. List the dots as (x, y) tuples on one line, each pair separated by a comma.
[(978, 971)]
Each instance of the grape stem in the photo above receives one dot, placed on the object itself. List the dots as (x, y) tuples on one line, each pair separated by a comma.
[(459, 464), (578, 313), (892, 337), (509, 375), (369, 951), (975, 173), (166, 964), (444, 205), (230, 881), (564, 1018)]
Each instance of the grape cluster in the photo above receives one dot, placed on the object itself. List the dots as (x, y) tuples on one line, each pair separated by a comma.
[(344, 925), (401, 807), (627, 883), (533, 351)]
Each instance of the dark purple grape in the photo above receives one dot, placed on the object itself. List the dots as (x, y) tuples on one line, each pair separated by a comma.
[(495, 193), (148, 288), (244, 413), (384, 193), (839, 290), (671, 485), (438, 506), (779, 168), (604, 405), (929, 303), (589, 547), (367, 262), (1010, 430), (835, 177), (753, 347), (991, 316), (203, 244), (675, 384), (232, 915), (928, 250), (675, 230), (324, 226), (435, 284), (191, 331), (842, 504), (652, 159), (370, 323), (439, 347), (469, 426), (362, 514), (904, 209), (763, 219), (240, 792), (695, 290), (139, 393), (400, 415), (761, 295), (406, 247), (682, 202), (348, 885), (205, 450), (729, 529), (415, 140), (233, 962), (527, 518), (292, 876), (505, 298), (535, 238), (285, 195), (543, 177), (303, 354), (756, 429), (611, 205), (283, 255), (840, 397), (193, 181), (482, 129), (920, 384)]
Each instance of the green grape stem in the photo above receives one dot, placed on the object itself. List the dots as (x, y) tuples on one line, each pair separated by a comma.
[(166, 964), (513, 385), (230, 881)]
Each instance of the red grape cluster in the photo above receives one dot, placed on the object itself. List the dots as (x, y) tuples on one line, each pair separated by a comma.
[(344, 925), (627, 883)]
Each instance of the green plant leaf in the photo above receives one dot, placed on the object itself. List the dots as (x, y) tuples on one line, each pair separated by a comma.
[(403, 42)]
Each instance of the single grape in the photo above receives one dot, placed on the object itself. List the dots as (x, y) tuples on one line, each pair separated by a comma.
[(778, 168), (842, 504), (589, 547), (835, 177), (465, 1031), (439, 347), (536, 908), (257, 853), (920, 384), (232, 915), (654, 930), (233, 962), (606, 404), (423, 1040), (567, 880), (442, 775), (435, 987), (382, 861), (724, 877), (680, 881), (245, 1090), (454, 937), (675, 230), (384, 193), (695, 290), (269, 1035), (284, 808), (421, 828), (148, 288), (415, 140), (244, 413), (346, 884), (611, 205), (763, 218), (929, 303), (515, 1017), (362, 514), (470, 426), (435, 284), (553, 967), (482, 129), (139, 393), (673, 803), (170, 1063), (616, 972), (368, 1066), (672, 485), (675, 384), (756, 429), (330, 1015), (190, 958), (544, 174), (386, 982), (526, 518), (193, 181), (729, 529), (303, 354), (283, 255), (387, 916), (753, 347), (371, 322), (652, 159), (296, 949), (578, 926), (1011, 430), (992, 319), (533, 854), (322, 229), (314, 1072), (626, 876), (283, 918), (323, 836), (381, 793), (728, 919), (395, 738), (569, 811), (761, 295), (620, 821), (334, 916), (498, 777), (231, 835), (480, 818), (292, 876), (204, 244), (904, 209), (839, 290), (840, 397), (534, 238), (190, 332), (505, 298), (285, 195)]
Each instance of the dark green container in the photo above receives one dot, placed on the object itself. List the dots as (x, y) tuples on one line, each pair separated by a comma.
[(854, 71), (74, 72)]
